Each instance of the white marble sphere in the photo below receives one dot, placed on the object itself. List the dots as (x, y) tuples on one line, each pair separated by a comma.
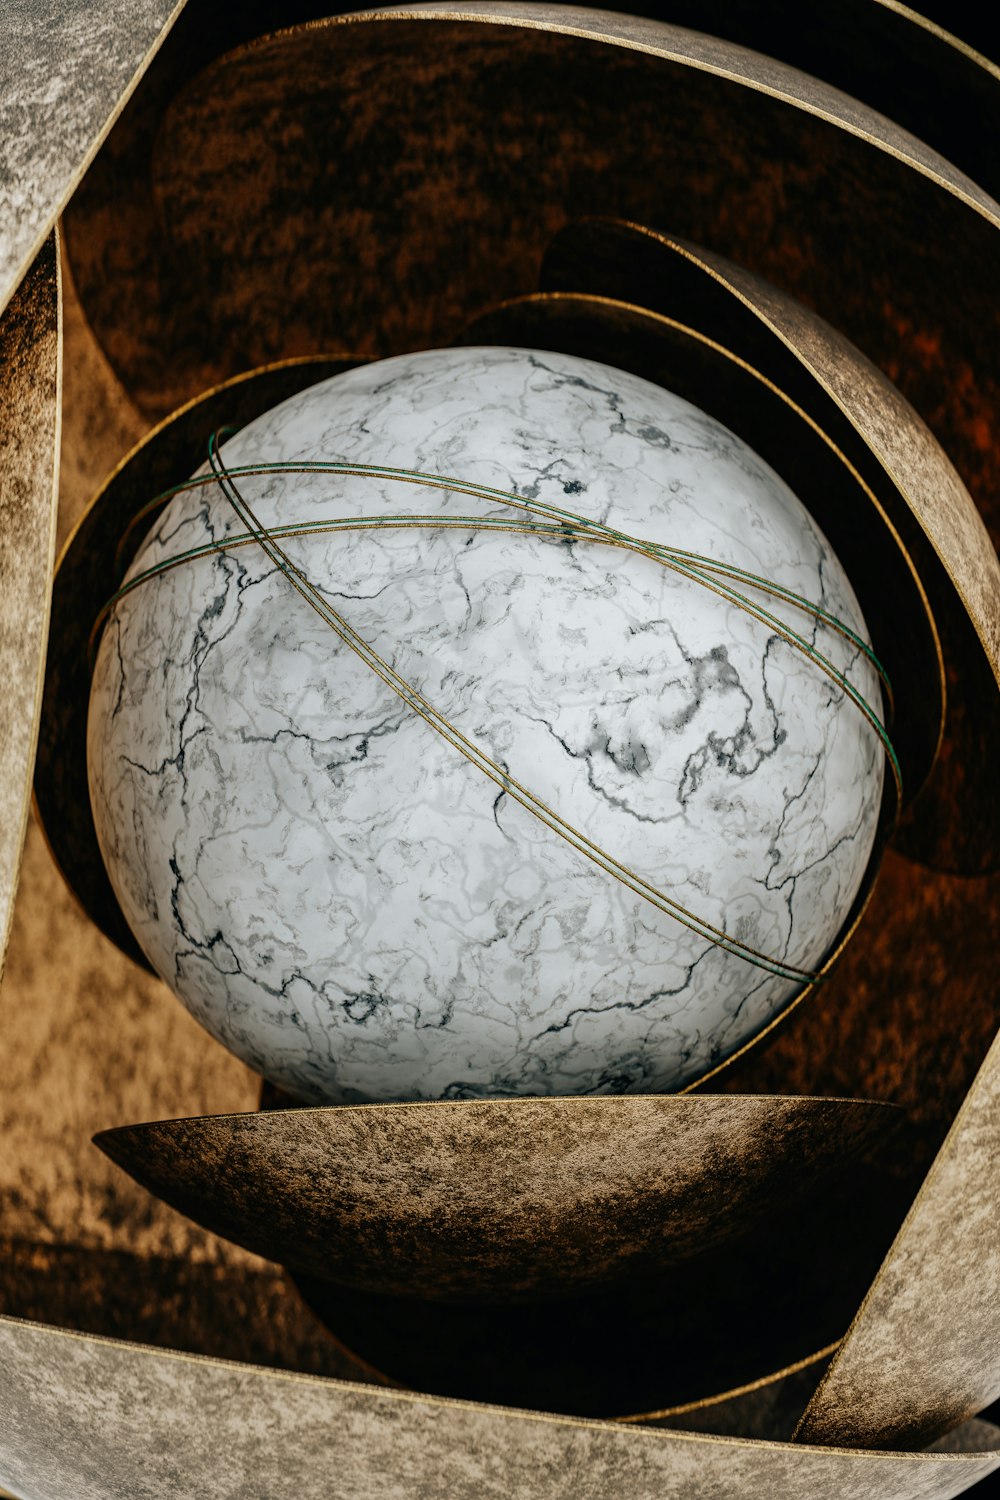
[(346, 902)]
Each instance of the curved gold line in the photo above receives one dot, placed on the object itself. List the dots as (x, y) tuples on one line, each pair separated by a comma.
[(504, 1102), (630, 1419), (976, 1458), (958, 187), (737, 1390), (924, 23), (803, 359)]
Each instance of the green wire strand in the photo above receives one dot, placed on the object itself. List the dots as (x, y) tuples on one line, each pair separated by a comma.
[(509, 497), (559, 525), (690, 564)]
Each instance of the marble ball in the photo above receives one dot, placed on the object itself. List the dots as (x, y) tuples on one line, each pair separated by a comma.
[(345, 900)]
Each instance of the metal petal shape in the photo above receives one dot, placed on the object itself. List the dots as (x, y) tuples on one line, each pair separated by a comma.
[(29, 462), (435, 153), (94, 1419), (924, 1349), (65, 71), (495, 1199)]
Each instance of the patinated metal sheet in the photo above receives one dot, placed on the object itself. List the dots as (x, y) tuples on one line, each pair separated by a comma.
[(429, 161), (89, 1419), (924, 1349), (495, 1199), (65, 71), (29, 454)]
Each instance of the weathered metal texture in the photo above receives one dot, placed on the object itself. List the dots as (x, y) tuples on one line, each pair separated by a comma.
[(924, 1349), (29, 466), (497, 1199), (86, 577), (89, 1419), (435, 153), (769, 1408), (65, 72)]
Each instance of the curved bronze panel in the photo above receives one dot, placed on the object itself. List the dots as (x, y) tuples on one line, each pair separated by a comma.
[(932, 1316), (767, 1408), (802, 1273), (29, 469), (396, 173), (93, 1419), (64, 75), (85, 578), (497, 1199)]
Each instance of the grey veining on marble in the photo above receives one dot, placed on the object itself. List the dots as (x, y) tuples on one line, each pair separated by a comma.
[(66, 69), (347, 903), (29, 467), (96, 1419), (901, 441)]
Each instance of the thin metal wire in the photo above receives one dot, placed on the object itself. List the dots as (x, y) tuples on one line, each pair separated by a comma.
[(556, 525)]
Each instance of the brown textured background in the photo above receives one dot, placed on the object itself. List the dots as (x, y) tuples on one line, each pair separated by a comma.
[(89, 1041)]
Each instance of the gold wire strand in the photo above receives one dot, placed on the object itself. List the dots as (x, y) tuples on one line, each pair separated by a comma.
[(557, 525), (678, 560), (657, 551), (496, 773)]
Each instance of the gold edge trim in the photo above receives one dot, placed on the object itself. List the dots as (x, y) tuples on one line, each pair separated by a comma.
[(989, 1459), (27, 790), (807, 364), (874, 865), (737, 1390), (535, 298), (924, 23), (564, 1101), (988, 209), (95, 146), (940, 1163)]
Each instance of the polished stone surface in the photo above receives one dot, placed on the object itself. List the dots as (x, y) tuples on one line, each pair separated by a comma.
[(336, 892)]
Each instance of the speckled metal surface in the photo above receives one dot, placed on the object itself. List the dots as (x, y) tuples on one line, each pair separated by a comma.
[(495, 1199), (65, 71), (29, 451), (94, 1420), (448, 153), (924, 1350)]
